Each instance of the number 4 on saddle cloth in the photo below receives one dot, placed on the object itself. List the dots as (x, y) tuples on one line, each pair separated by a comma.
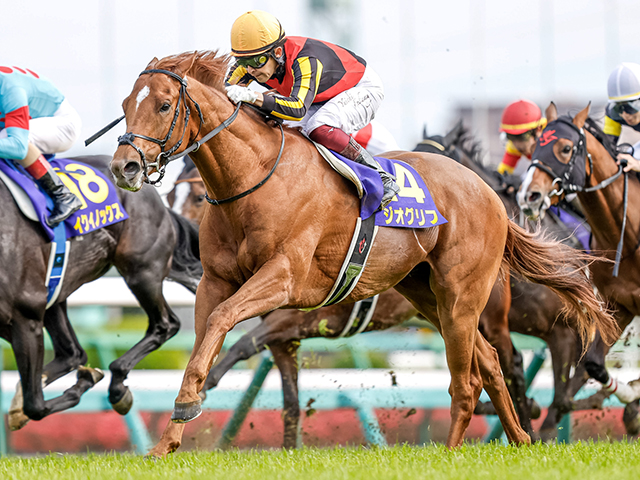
[(413, 207), (100, 207)]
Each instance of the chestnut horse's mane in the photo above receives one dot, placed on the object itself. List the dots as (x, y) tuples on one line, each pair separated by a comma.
[(205, 66)]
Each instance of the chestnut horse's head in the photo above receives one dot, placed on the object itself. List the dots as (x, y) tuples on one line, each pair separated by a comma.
[(162, 118), (558, 164)]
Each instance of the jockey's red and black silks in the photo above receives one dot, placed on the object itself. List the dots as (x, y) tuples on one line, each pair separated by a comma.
[(314, 71)]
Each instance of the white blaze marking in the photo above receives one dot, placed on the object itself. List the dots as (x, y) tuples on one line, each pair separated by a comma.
[(142, 94), (525, 186), (182, 193)]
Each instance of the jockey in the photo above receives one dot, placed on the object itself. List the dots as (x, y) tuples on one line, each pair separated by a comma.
[(37, 119), (325, 89), (523, 123), (623, 108)]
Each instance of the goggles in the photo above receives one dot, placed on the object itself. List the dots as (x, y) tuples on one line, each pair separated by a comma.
[(521, 137), (258, 61), (626, 107)]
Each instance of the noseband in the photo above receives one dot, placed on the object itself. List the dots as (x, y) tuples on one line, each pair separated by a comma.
[(164, 157), (168, 156)]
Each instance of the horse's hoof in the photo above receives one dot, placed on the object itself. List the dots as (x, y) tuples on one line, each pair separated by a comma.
[(536, 411), (631, 419), (123, 405), (17, 419), (548, 435), (185, 412), (88, 373)]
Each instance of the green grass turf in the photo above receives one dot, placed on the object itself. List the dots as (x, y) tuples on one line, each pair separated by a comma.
[(582, 461)]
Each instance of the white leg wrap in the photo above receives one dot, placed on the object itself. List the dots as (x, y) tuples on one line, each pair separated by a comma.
[(626, 392)]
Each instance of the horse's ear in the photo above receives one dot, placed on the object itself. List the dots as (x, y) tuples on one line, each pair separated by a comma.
[(152, 63), (582, 116), (551, 112), (189, 61), (424, 132)]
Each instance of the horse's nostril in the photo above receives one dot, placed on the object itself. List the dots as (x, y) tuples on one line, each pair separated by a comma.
[(534, 197), (132, 168)]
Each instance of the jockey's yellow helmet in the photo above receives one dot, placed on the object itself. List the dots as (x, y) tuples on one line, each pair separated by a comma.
[(255, 32)]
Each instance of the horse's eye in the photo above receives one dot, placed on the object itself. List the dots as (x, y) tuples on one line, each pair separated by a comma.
[(165, 107), (566, 149), (200, 198)]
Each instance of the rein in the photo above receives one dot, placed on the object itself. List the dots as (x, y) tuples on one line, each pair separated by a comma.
[(566, 185), (168, 156)]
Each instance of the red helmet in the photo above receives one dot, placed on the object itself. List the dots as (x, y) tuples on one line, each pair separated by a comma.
[(520, 117)]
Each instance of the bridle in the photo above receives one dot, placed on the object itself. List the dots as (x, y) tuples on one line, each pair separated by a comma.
[(564, 179), (165, 157)]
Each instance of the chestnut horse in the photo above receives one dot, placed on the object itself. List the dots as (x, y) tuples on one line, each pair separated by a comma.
[(584, 164), (534, 310), (279, 235)]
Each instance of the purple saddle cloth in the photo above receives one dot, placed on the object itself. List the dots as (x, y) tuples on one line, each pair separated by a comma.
[(101, 206), (413, 207)]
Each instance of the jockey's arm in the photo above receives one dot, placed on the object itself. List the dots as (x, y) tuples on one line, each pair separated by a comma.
[(16, 124), (509, 160), (307, 72), (612, 130), (238, 75)]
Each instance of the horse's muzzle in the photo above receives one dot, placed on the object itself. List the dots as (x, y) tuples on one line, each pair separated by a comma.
[(127, 174)]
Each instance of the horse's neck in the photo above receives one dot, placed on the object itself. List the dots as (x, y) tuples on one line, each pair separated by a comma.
[(604, 207), (236, 159)]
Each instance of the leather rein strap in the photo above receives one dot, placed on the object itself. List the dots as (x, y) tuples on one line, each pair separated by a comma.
[(163, 157)]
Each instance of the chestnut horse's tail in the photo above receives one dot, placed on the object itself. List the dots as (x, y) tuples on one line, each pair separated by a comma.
[(563, 270)]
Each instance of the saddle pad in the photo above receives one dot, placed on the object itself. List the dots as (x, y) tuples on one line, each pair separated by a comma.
[(413, 207), (101, 206)]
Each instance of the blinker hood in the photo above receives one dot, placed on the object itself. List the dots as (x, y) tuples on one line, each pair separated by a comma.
[(571, 174)]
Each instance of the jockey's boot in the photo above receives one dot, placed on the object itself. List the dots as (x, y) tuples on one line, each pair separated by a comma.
[(357, 153), (65, 203)]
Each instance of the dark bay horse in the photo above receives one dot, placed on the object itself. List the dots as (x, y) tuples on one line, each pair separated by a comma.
[(282, 244), (152, 244), (578, 161)]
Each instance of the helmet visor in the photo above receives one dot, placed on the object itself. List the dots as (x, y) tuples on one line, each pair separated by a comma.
[(258, 61), (630, 107), (522, 137)]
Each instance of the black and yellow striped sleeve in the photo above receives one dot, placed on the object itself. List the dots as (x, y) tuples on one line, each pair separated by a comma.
[(307, 72), (238, 75)]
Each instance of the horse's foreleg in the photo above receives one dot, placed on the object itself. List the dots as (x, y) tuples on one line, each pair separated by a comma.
[(267, 290), (163, 324), (28, 345), (562, 344), (285, 355), (69, 355), (209, 295)]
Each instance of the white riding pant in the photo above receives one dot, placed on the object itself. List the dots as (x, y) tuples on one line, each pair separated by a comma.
[(54, 134), (350, 110)]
